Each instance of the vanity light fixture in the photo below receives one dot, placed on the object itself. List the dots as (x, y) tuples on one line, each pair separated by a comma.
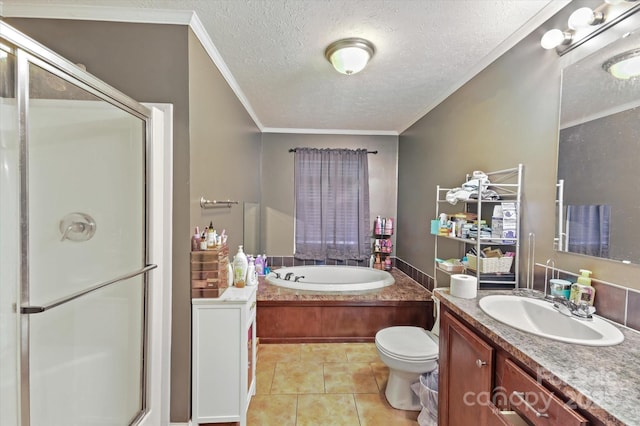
[(554, 38), (625, 65), (584, 17), (350, 55), (585, 23)]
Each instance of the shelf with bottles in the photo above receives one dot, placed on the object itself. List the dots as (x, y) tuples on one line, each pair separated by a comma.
[(382, 243), (464, 217)]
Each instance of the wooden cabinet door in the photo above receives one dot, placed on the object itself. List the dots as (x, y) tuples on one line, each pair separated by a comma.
[(466, 375)]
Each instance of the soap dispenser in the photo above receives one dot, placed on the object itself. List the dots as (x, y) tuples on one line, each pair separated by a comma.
[(582, 291)]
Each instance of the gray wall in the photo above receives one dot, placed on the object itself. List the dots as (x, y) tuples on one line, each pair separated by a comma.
[(225, 148), (150, 64), (277, 213), (507, 114)]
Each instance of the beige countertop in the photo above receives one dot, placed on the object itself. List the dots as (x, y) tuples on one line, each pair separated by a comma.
[(603, 380)]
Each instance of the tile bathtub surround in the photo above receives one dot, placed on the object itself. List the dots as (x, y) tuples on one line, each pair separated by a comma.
[(616, 303), (404, 289), (416, 274), (322, 384)]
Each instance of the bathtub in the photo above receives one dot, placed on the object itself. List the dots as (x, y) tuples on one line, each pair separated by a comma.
[(327, 278)]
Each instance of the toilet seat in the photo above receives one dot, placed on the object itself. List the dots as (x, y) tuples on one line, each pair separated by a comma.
[(407, 343)]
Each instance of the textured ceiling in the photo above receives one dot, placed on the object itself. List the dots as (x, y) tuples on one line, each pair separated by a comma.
[(274, 52)]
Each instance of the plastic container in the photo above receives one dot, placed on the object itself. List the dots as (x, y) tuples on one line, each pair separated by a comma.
[(240, 266), (560, 288)]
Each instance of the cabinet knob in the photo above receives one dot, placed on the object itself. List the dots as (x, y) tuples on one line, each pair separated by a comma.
[(480, 363)]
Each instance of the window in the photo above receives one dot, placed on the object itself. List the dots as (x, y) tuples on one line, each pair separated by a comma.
[(332, 204)]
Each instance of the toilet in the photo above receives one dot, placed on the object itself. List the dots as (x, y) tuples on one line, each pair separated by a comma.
[(408, 352)]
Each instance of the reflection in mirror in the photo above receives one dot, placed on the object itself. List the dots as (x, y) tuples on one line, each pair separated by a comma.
[(252, 228), (598, 159)]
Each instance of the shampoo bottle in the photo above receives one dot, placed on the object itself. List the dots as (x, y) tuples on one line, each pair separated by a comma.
[(195, 240), (259, 265), (240, 266)]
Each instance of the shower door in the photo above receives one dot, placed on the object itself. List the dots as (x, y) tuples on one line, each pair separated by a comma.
[(82, 210)]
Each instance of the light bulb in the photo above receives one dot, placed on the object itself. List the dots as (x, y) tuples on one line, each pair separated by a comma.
[(584, 17), (554, 38)]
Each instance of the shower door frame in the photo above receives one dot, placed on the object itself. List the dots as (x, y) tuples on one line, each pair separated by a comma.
[(28, 51)]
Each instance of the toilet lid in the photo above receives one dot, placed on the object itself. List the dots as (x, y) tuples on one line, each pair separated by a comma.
[(407, 342)]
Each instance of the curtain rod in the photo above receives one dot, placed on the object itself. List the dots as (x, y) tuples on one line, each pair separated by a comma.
[(368, 152)]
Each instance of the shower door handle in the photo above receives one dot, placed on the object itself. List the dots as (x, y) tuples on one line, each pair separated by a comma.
[(77, 227)]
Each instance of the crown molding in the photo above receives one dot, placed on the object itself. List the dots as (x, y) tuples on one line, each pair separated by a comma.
[(330, 131), (135, 15)]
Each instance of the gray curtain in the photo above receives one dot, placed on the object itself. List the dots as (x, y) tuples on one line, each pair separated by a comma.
[(332, 204), (588, 229)]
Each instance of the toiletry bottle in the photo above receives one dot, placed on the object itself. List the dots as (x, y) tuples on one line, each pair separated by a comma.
[(584, 278), (267, 269), (195, 240), (259, 265), (387, 263), (211, 239), (240, 265), (582, 291), (388, 226), (203, 241), (252, 278), (377, 227)]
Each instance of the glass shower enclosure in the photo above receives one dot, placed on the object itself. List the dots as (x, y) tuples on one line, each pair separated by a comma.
[(73, 243)]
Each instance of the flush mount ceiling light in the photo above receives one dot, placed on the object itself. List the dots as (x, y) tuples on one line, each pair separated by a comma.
[(350, 55), (624, 66)]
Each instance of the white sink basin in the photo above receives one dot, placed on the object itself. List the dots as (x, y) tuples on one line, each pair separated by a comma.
[(539, 317)]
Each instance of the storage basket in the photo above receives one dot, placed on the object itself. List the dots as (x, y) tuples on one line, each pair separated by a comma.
[(490, 264), (455, 268)]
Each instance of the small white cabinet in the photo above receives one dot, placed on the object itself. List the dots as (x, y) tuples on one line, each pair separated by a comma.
[(223, 356)]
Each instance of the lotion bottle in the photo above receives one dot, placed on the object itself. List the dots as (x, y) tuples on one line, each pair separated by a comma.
[(240, 266)]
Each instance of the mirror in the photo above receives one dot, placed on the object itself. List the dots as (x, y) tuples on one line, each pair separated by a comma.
[(251, 228), (598, 156)]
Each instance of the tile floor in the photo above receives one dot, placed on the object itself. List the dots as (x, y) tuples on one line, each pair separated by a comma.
[(322, 384)]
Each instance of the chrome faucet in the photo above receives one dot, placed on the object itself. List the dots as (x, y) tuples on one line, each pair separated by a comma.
[(566, 307), (288, 276), (298, 278)]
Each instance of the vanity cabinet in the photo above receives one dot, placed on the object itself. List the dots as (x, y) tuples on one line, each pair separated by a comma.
[(223, 356), (466, 374), (481, 384)]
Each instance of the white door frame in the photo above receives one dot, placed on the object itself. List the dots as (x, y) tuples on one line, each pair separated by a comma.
[(160, 253)]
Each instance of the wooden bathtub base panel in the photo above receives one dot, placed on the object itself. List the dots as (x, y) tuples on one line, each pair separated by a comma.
[(336, 321)]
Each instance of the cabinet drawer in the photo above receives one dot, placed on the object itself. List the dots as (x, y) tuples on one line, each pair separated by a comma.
[(535, 402), (495, 417)]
